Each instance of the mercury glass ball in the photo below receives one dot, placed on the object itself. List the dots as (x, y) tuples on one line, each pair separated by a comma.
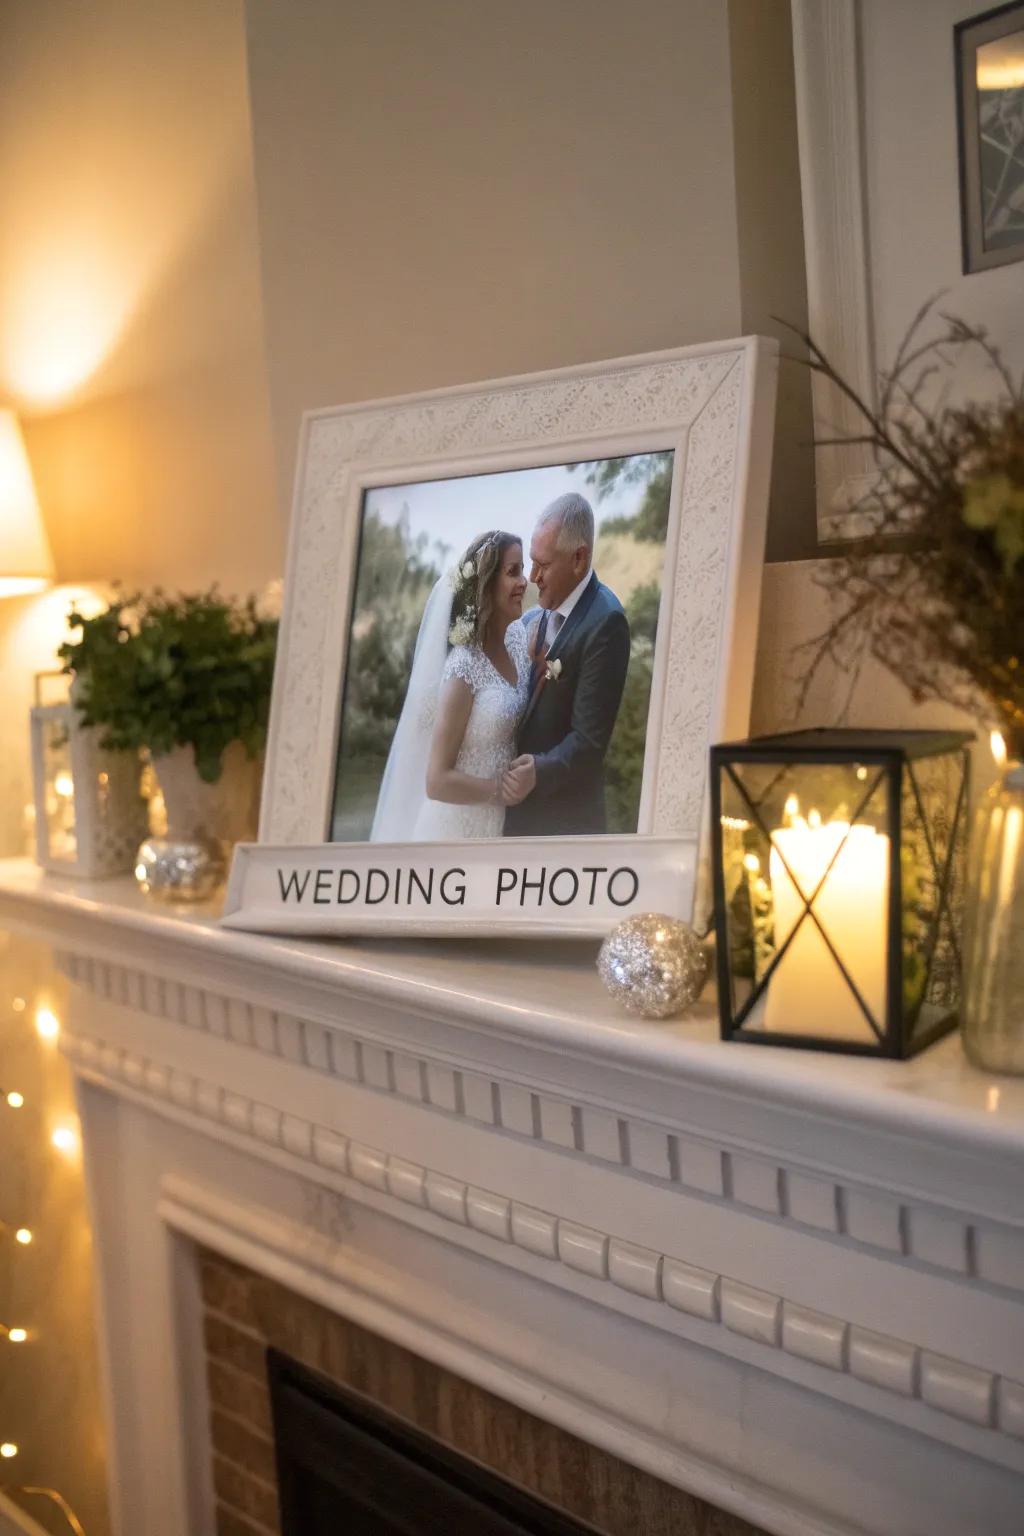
[(653, 965), (180, 869)]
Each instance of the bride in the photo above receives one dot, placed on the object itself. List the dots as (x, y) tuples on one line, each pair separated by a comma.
[(469, 686)]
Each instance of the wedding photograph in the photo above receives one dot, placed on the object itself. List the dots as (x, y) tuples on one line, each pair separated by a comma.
[(501, 653)]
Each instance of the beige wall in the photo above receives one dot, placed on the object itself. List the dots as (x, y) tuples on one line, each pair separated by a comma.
[(130, 324), (465, 189)]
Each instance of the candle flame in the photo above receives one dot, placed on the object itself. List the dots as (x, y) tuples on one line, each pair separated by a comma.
[(791, 808), (814, 818), (998, 746)]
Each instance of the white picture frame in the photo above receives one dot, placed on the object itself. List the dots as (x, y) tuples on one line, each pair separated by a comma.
[(713, 405)]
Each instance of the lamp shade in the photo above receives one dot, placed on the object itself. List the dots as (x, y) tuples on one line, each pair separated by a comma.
[(26, 564)]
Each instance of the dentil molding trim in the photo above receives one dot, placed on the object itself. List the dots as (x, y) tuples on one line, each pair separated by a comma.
[(855, 1213), (894, 1366)]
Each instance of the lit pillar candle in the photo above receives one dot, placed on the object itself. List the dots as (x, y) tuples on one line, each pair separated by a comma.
[(808, 994)]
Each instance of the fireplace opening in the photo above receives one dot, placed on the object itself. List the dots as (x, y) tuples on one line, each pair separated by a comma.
[(344, 1464)]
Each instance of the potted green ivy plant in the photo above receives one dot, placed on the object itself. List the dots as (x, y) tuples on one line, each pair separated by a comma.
[(187, 678)]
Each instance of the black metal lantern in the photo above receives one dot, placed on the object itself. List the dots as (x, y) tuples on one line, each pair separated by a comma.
[(839, 870)]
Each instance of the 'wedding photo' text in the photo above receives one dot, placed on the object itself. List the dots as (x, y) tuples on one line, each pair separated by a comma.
[(427, 886)]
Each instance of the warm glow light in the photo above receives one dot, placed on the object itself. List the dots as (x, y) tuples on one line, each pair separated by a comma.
[(1001, 64), (141, 872), (751, 862), (18, 1004), (22, 586), (814, 818), (23, 1236), (64, 785), (862, 773), (992, 1100), (26, 564), (791, 809), (15, 1099), (47, 1024), (64, 1139), (17, 1335), (735, 823), (998, 746), (8, 1449), (72, 305)]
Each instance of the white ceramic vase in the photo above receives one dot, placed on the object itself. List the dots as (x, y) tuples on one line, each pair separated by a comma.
[(204, 821)]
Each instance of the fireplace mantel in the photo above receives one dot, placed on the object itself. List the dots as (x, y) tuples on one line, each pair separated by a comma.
[(790, 1283)]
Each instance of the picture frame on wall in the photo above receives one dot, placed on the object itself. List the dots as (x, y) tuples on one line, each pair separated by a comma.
[(989, 55), (516, 615)]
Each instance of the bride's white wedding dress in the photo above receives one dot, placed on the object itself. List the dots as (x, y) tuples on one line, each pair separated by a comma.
[(489, 743), (404, 814)]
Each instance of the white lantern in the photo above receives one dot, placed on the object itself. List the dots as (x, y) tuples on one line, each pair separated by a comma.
[(90, 815)]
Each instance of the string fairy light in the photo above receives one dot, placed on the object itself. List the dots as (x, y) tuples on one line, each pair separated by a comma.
[(47, 1024), (65, 1139)]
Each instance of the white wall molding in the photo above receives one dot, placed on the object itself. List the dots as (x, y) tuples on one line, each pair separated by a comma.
[(949, 1386), (829, 127), (879, 1217)]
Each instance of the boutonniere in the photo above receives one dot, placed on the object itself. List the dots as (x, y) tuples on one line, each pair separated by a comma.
[(552, 670)]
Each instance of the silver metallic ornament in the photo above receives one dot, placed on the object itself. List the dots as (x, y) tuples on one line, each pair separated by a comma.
[(180, 869), (653, 965)]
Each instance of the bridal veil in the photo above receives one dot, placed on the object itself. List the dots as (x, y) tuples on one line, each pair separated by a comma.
[(403, 788)]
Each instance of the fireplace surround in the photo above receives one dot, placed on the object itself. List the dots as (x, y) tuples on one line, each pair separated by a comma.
[(791, 1286)]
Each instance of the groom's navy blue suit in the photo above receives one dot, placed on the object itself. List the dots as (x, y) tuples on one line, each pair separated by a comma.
[(569, 719)]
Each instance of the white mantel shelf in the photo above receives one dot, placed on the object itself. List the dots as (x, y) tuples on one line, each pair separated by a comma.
[(790, 1282)]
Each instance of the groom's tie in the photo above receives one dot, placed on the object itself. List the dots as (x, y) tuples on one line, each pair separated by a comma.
[(549, 617), (539, 650)]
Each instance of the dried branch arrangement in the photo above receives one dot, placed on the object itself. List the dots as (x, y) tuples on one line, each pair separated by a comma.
[(935, 592)]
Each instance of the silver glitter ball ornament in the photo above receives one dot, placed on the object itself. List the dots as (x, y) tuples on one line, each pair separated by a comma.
[(180, 869), (653, 965)]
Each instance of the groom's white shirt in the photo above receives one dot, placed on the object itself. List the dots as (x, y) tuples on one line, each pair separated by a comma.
[(566, 607)]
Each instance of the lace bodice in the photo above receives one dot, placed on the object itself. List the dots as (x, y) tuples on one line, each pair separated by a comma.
[(489, 743)]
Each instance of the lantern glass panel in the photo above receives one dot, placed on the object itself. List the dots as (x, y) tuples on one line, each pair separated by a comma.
[(59, 791), (933, 856), (746, 853), (808, 926)]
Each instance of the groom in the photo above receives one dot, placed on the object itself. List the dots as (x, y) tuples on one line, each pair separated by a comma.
[(555, 787)]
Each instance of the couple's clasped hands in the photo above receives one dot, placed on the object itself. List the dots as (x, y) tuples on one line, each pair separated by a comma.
[(518, 780)]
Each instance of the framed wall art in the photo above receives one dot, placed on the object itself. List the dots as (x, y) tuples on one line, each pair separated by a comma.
[(516, 615), (989, 51)]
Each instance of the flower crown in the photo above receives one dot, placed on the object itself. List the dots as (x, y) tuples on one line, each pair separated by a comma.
[(464, 576)]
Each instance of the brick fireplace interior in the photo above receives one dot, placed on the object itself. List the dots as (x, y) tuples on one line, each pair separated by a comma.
[(246, 1314)]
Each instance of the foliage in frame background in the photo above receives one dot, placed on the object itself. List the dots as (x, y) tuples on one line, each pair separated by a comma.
[(396, 572)]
